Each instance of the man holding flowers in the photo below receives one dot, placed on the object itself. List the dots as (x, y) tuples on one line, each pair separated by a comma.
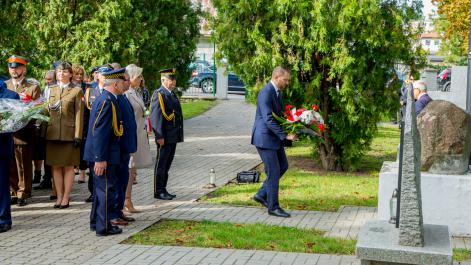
[(21, 176), (269, 139)]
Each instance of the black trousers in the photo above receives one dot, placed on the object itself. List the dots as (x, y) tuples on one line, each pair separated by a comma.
[(163, 162)]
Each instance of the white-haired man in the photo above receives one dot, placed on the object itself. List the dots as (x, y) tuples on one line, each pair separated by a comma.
[(420, 95)]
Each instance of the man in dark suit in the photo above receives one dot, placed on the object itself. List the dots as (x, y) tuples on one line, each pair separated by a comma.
[(269, 138), (6, 155), (102, 150), (167, 123), (421, 96)]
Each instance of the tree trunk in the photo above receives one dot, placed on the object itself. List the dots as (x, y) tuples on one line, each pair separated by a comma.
[(329, 156)]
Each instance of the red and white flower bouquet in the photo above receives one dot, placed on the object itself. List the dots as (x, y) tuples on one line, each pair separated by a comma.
[(302, 121), (17, 113)]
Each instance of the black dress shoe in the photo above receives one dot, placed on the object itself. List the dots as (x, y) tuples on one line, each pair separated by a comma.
[(14, 200), (4, 228), (279, 213), (127, 218), (260, 200), (22, 202), (171, 195), (45, 184), (89, 199), (163, 196), (64, 206), (113, 230), (57, 206)]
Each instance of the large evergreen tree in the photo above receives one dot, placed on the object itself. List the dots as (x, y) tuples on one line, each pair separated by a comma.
[(152, 34), (342, 54)]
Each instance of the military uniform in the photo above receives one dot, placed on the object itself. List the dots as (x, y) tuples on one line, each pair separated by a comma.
[(128, 146), (91, 94), (66, 111), (21, 175), (167, 123), (6, 155), (103, 144)]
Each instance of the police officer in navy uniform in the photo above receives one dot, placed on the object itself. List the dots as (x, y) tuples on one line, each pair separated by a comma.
[(167, 123), (128, 146), (91, 94), (103, 150), (6, 155)]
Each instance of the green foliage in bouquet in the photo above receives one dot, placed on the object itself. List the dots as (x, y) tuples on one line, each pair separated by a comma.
[(342, 54)]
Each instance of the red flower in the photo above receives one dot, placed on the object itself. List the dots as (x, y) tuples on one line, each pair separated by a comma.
[(290, 118), (26, 98), (321, 127), (300, 111), (288, 107), (315, 107)]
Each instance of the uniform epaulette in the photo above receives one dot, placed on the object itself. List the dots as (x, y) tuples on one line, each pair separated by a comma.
[(32, 81)]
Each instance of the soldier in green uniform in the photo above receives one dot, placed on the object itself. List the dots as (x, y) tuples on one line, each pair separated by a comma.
[(21, 176)]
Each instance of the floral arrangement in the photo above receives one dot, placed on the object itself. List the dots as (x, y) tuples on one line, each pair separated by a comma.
[(302, 121), (16, 114)]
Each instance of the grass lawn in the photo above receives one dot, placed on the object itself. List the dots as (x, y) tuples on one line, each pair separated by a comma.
[(194, 108), (461, 254), (305, 186), (240, 236)]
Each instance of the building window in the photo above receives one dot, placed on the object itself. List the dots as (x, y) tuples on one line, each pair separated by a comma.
[(437, 42), (427, 42)]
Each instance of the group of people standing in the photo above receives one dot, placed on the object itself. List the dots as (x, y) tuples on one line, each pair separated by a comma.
[(99, 126)]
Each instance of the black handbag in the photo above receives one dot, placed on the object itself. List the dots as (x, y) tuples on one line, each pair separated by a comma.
[(252, 176)]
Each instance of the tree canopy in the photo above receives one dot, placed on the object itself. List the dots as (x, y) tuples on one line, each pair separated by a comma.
[(153, 34), (342, 55), (453, 22)]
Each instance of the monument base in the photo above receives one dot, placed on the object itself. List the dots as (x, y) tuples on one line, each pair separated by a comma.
[(445, 198), (378, 245)]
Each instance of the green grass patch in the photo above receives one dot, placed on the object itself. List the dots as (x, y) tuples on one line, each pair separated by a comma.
[(461, 254), (306, 186), (192, 109), (240, 236)]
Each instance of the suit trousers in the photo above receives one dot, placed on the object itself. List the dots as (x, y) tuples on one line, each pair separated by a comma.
[(21, 175), (103, 201), (163, 163), (276, 164), (121, 185), (5, 200)]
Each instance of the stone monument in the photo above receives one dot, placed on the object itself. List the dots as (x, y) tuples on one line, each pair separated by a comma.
[(380, 243), (445, 131)]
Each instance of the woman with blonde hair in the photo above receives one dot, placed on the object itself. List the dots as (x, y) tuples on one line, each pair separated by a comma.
[(142, 158), (78, 77), (64, 133)]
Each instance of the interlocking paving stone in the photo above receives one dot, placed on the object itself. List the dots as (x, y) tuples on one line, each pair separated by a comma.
[(219, 139)]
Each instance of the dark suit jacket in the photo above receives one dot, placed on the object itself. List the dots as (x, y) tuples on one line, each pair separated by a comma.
[(171, 131), (129, 138), (267, 133), (422, 102), (6, 139), (102, 144)]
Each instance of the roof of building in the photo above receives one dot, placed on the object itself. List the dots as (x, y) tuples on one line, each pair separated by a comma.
[(430, 35)]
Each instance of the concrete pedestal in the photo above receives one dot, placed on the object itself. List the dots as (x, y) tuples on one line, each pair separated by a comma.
[(378, 245), (446, 199), (222, 82)]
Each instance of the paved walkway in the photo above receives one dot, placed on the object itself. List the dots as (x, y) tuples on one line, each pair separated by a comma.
[(219, 139)]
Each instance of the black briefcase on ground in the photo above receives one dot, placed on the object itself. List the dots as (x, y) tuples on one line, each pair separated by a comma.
[(252, 176)]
